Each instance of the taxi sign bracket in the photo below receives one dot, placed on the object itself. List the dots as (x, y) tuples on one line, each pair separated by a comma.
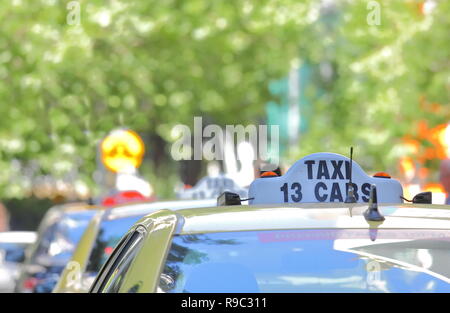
[(228, 198), (423, 198)]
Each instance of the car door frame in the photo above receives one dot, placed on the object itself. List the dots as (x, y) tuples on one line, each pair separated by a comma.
[(116, 257), (145, 271)]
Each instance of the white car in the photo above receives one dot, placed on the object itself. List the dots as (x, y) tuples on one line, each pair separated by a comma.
[(12, 254)]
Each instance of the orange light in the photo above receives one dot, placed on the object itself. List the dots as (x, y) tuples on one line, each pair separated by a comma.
[(382, 174), (122, 151), (269, 174)]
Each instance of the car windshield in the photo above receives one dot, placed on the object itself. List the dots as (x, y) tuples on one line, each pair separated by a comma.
[(309, 261), (60, 238), (109, 235)]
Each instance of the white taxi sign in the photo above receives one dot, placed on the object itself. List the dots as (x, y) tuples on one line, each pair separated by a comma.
[(211, 187), (322, 177)]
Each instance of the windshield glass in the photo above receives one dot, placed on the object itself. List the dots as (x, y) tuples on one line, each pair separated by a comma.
[(109, 235), (309, 261), (60, 239)]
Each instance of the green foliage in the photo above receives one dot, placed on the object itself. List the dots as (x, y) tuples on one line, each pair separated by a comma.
[(150, 65), (382, 72)]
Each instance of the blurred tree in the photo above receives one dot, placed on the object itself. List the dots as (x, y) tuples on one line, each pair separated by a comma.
[(150, 65), (386, 78), (147, 65)]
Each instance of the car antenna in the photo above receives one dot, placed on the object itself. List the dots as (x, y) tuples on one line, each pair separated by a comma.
[(350, 190), (372, 214)]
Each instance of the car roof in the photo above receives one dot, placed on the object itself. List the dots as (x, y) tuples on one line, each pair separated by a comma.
[(313, 216), (141, 208), (78, 206), (18, 237)]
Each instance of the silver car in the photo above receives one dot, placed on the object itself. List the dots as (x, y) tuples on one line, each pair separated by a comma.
[(12, 255)]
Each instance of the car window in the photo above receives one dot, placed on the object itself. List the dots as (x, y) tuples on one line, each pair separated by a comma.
[(13, 252), (308, 261), (118, 264), (103, 274), (110, 232), (60, 239)]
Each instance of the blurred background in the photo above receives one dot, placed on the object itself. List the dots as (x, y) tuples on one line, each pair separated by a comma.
[(374, 75)]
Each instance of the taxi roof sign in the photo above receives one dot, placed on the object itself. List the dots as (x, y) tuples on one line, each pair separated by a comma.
[(322, 177), (122, 151), (210, 187)]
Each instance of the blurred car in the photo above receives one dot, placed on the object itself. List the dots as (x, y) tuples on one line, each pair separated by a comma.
[(12, 255), (283, 248), (318, 228), (210, 187), (58, 235), (102, 235)]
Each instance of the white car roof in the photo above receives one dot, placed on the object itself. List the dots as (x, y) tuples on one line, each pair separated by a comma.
[(147, 207), (27, 237)]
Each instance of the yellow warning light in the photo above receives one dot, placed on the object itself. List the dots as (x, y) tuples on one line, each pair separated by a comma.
[(122, 151)]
